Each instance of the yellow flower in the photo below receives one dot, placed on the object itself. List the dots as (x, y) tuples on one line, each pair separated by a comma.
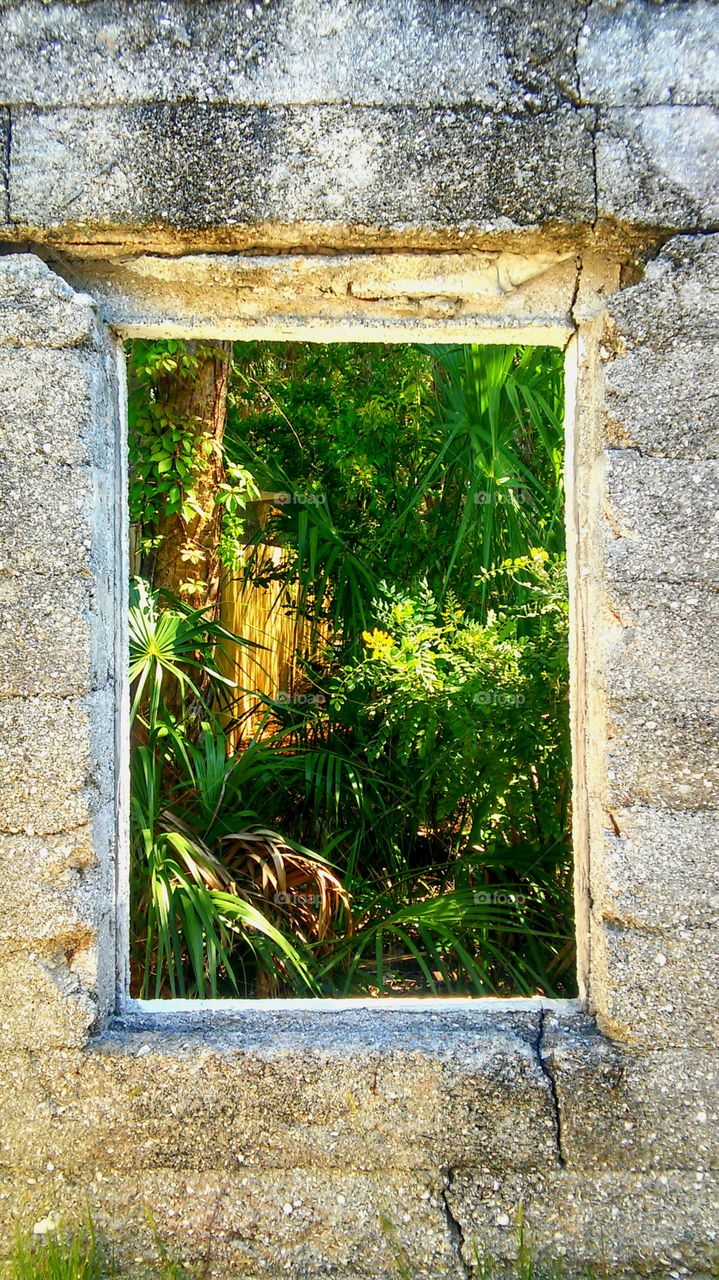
[(378, 641)]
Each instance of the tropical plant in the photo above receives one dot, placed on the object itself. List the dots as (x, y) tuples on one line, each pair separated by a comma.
[(201, 863), (449, 471), (465, 727), (406, 827), (501, 460)]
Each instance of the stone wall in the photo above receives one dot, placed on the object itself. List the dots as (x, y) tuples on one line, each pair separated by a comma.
[(280, 121), (58, 444), (488, 169)]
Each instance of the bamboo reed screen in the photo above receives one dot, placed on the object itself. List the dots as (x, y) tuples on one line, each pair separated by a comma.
[(266, 615)]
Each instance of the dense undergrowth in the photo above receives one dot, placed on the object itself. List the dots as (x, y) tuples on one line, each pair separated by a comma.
[(400, 822)]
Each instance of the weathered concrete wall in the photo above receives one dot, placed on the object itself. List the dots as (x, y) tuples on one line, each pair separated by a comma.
[(58, 433), (267, 123), (529, 171)]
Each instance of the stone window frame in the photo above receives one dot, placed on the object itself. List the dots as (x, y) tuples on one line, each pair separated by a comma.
[(466, 1108), (554, 298)]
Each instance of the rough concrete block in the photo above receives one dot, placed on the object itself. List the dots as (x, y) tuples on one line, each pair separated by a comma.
[(367, 1226), (662, 519), (665, 403), (657, 166), (655, 989), (392, 52), (662, 753), (48, 999), (493, 1101), (57, 517), (660, 355), (661, 644), (624, 52), (57, 752), (56, 889), (658, 869), (56, 762), (4, 174), (580, 1219), (38, 309), (148, 166), (58, 423), (288, 1107), (57, 406), (659, 1109), (675, 303), (315, 1222), (54, 639)]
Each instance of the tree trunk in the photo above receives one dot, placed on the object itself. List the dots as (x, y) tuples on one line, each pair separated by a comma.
[(186, 561)]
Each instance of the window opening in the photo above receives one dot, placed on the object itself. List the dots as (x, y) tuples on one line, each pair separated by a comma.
[(350, 762)]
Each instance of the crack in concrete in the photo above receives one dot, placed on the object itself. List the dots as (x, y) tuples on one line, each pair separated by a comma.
[(549, 1075), (8, 149), (573, 300), (454, 1227), (594, 127), (583, 20)]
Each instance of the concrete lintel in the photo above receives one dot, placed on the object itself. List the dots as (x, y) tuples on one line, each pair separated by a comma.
[(502, 296)]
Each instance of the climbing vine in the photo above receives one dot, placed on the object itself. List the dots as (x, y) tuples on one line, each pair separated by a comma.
[(164, 457), (169, 456)]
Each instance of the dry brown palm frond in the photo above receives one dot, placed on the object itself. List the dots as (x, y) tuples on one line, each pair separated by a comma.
[(302, 887)]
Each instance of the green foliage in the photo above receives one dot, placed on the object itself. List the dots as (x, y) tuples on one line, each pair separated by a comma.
[(501, 458), (164, 461), (430, 463), (233, 494), (195, 922), (62, 1255), (422, 794), (176, 647), (341, 431), (468, 707), (348, 422), (464, 727), (167, 454)]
